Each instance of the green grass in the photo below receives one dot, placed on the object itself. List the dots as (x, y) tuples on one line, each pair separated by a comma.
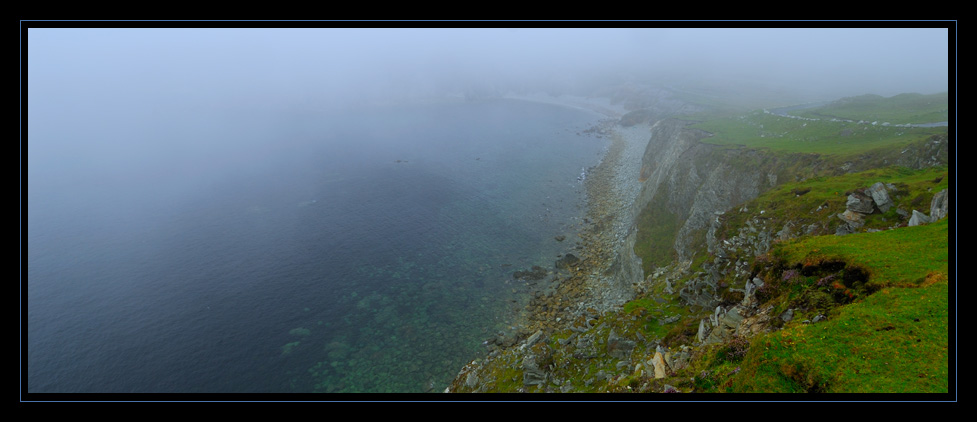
[(895, 341), (890, 334), (899, 109), (761, 130), (898, 256)]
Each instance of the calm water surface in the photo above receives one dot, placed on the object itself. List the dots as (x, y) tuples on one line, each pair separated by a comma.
[(367, 251)]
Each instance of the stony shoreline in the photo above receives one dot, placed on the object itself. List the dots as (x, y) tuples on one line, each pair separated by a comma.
[(578, 285)]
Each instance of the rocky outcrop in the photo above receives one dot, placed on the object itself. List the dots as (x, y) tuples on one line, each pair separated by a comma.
[(939, 207)]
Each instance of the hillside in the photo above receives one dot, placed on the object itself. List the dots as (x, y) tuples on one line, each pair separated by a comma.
[(779, 255)]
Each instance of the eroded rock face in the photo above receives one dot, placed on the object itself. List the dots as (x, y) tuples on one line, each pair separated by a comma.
[(940, 205)]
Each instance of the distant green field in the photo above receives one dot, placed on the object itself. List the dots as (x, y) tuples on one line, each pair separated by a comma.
[(899, 109), (777, 133)]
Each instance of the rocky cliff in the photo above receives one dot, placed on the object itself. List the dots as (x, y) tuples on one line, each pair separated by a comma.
[(684, 188)]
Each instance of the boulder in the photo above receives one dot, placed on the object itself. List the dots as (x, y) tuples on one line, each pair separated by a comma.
[(853, 219), (918, 218), (860, 203), (661, 368), (880, 196)]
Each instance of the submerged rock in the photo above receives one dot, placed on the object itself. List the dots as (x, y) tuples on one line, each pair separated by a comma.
[(536, 273), (567, 261)]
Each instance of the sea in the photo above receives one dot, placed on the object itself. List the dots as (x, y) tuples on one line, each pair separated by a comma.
[(291, 250)]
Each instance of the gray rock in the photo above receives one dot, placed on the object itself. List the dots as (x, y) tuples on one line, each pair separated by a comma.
[(471, 380), (786, 233), (854, 219), (810, 230), (680, 359), (531, 374), (532, 339), (669, 320), (880, 196), (918, 218), (703, 330), (860, 203), (787, 315), (619, 347), (940, 205), (732, 319)]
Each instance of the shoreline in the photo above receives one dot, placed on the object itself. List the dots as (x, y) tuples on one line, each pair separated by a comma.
[(589, 287)]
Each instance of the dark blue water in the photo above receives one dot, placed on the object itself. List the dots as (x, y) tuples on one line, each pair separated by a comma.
[(366, 251)]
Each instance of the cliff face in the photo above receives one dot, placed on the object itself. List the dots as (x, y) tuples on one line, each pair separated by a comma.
[(692, 181), (688, 183)]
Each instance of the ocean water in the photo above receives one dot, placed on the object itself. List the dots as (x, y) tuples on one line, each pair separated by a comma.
[(294, 251)]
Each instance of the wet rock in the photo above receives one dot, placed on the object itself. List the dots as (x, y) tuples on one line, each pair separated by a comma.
[(536, 273), (568, 261)]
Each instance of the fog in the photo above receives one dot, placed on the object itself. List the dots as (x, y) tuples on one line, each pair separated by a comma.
[(127, 128), (133, 104), (336, 66), (122, 97)]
